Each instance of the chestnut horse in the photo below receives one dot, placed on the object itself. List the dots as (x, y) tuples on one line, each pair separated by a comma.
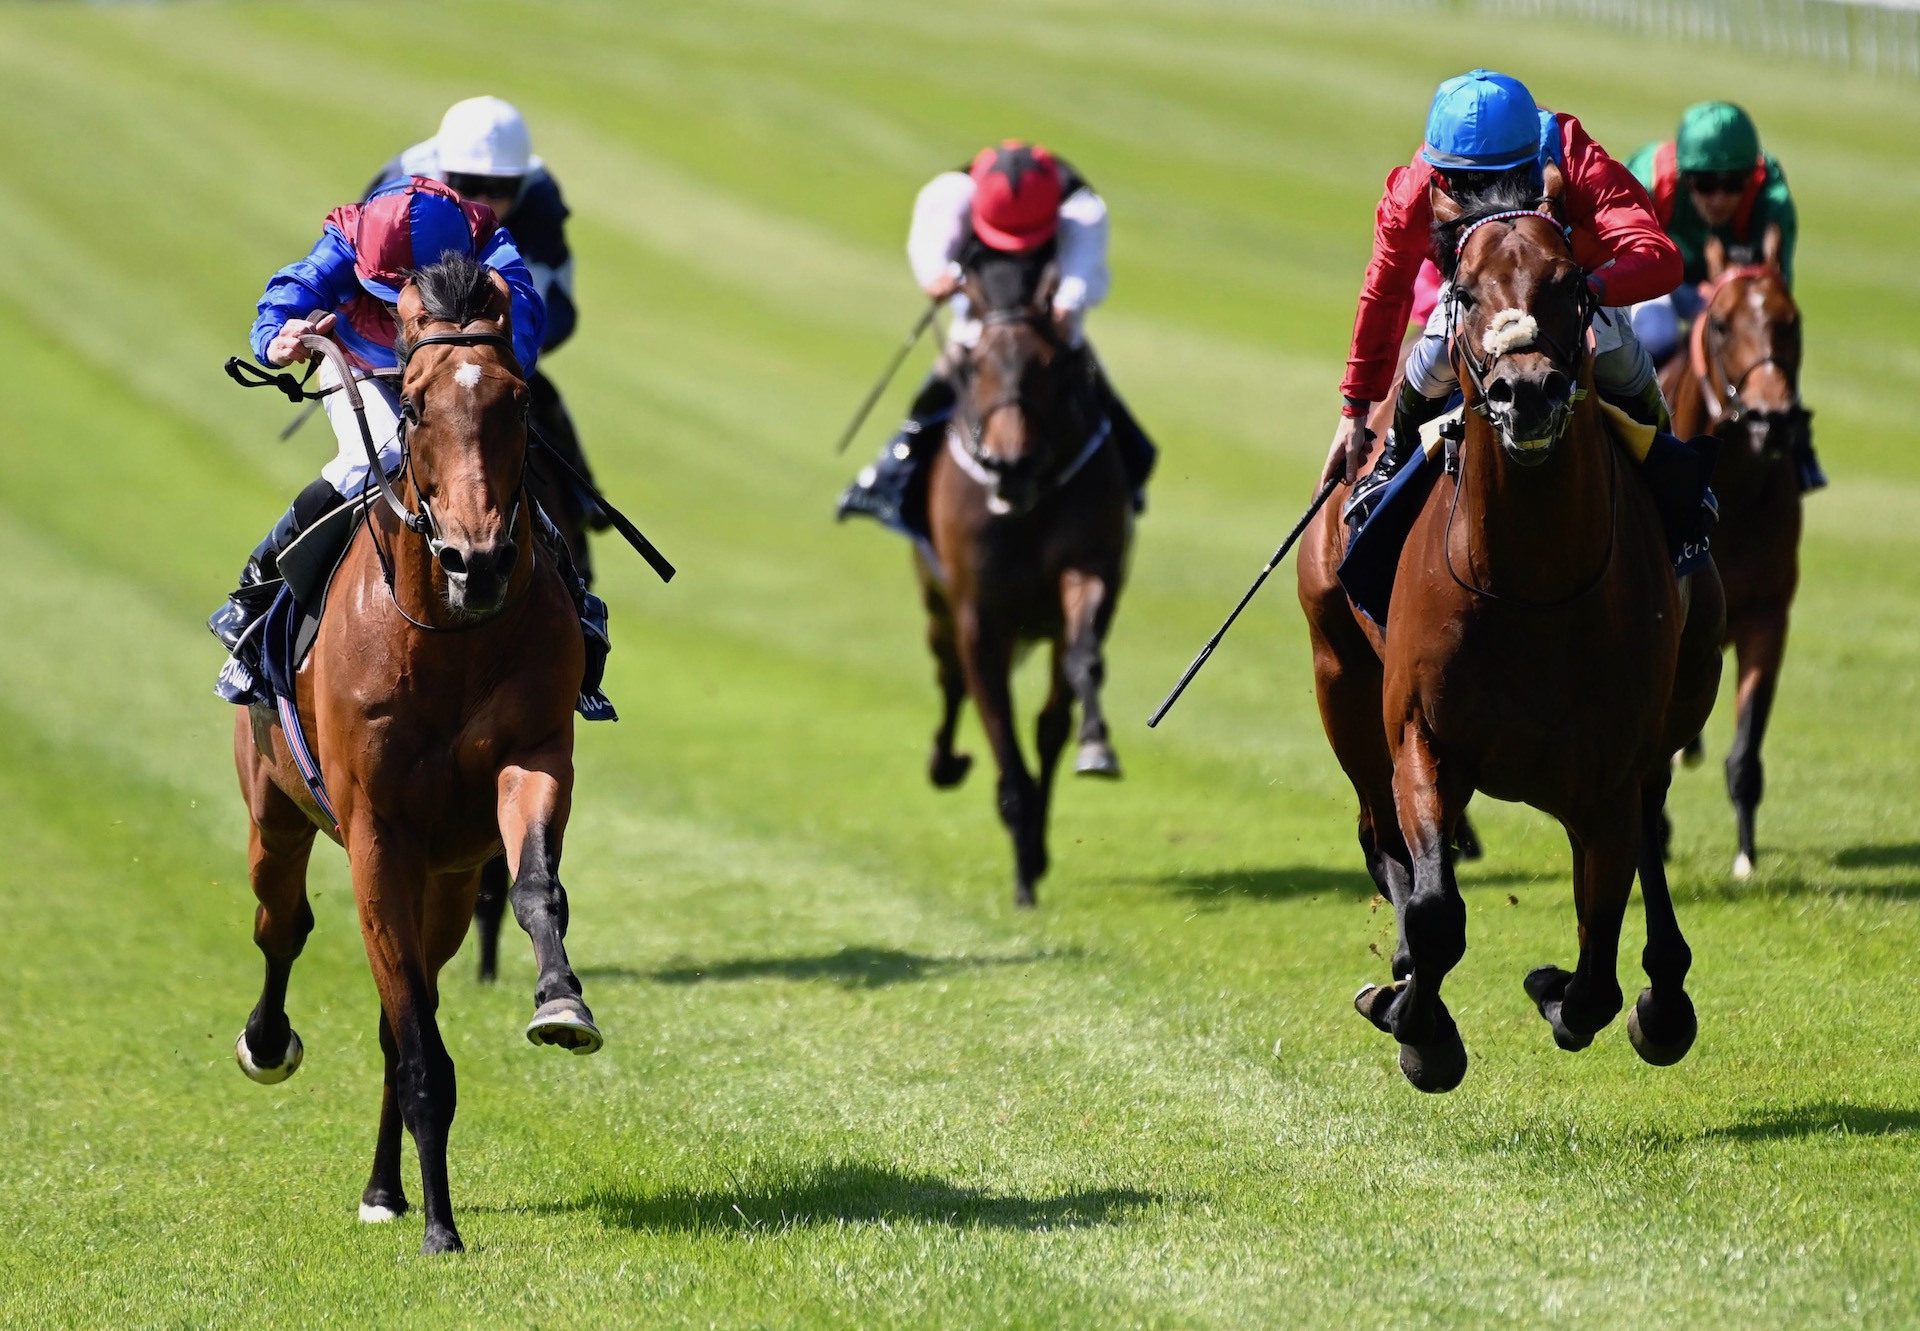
[(1540, 649), (1030, 521), (438, 699), (1739, 379)]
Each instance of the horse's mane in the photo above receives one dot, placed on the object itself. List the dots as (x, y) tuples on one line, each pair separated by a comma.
[(456, 290), (1509, 191), (1008, 281)]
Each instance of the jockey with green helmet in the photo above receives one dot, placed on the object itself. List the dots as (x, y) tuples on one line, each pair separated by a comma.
[(1488, 144), (1711, 180)]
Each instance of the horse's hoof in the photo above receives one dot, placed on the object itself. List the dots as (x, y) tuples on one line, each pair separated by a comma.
[(1097, 758), (289, 1064), (1466, 846), (442, 1239), (382, 1212), (1662, 1033), (1693, 755), (947, 770), (567, 1023), (1374, 1001), (1547, 987), (1440, 1064), (1743, 866)]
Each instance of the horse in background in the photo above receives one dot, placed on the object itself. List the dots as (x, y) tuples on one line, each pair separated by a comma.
[(438, 698), (1030, 520), (1540, 649), (1739, 379)]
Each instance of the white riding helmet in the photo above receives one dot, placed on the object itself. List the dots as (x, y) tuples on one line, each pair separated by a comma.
[(484, 136)]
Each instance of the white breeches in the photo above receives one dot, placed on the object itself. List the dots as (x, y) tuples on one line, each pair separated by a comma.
[(348, 471)]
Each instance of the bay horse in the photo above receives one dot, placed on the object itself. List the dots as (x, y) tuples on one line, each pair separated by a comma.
[(438, 699), (1031, 521), (1739, 379), (1539, 649)]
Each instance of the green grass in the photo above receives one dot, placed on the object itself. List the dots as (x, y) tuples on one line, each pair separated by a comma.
[(847, 1083)]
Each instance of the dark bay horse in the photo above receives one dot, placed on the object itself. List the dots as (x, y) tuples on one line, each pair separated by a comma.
[(1540, 650), (1031, 522), (438, 698), (1739, 379)]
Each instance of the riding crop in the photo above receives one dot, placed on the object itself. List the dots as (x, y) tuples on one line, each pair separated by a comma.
[(919, 329), (1167, 703)]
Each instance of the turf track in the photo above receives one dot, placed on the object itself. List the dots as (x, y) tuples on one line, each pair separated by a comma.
[(847, 1084)]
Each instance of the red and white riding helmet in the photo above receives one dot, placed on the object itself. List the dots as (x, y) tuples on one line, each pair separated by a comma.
[(1016, 195)]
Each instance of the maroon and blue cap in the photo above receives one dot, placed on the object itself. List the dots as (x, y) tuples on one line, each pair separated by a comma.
[(407, 226)]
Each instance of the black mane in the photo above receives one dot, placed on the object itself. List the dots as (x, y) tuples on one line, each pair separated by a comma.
[(1506, 192), (456, 290), (1008, 281)]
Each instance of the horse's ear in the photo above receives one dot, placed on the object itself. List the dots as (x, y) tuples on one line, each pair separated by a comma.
[(500, 304), (1446, 208), (1715, 252), (1048, 285), (1771, 245), (1553, 188), (409, 309), (976, 294)]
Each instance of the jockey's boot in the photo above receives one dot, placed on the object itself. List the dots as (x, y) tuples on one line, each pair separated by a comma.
[(881, 489), (1411, 410), (234, 622), (592, 703), (1137, 452)]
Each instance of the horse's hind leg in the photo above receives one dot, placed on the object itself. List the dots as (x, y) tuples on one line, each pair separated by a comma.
[(945, 768), (1433, 918), (389, 881), (535, 797), (279, 843), (1051, 727), (1759, 646), (1662, 1023), (1606, 847), (1087, 600), (489, 908)]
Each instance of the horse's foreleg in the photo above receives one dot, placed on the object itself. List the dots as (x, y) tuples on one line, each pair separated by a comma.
[(385, 1197), (945, 768), (1433, 918), (489, 907), (1606, 848), (389, 881), (1662, 1023), (1087, 601), (1050, 729), (1759, 646), (279, 842), (536, 796), (987, 654)]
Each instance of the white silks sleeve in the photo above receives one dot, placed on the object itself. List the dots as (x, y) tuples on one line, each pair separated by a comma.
[(1082, 252), (939, 225)]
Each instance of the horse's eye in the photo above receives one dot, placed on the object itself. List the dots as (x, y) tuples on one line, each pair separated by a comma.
[(410, 410), (1719, 326)]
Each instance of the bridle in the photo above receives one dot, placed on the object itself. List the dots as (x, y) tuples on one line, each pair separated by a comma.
[(968, 427), (1725, 404), (422, 522)]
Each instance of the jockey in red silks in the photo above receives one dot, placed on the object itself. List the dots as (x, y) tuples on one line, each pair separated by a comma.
[(1488, 144)]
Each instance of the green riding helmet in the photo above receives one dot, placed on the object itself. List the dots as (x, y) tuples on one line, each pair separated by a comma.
[(1715, 136)]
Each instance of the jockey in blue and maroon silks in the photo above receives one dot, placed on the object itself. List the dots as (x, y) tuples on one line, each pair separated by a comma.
[(1485, 132), (345, 288)]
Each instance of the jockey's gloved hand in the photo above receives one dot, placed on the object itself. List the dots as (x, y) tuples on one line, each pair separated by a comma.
[(285, 349), (1352, 441)]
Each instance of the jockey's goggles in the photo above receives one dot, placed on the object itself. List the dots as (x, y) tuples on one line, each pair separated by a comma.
[(470, 186), (1717, 182)]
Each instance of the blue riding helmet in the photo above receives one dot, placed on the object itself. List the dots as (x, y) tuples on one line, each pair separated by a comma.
[(1481, 121)]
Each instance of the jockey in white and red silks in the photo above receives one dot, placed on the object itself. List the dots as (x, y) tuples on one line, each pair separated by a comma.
[(1487, 142)]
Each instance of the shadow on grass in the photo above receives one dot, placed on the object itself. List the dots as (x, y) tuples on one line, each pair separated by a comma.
[(852, 1193), (1904, 855), (850, 967), (1296, 882), (1820, 1120)]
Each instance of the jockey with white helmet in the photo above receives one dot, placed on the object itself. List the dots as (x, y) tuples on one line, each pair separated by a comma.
[(1016, 198), (484, 153)]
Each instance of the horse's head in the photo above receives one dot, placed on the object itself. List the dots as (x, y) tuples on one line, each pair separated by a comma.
[(464, 411), (1747, 351), (1016, 402), (1522, 305)]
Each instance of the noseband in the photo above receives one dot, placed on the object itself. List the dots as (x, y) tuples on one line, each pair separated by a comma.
[(1726, 406)]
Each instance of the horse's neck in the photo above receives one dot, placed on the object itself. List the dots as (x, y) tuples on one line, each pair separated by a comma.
[(1539, 533), (1685, 399)]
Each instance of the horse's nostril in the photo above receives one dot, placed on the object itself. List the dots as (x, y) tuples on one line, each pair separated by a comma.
[(452, 561), (1500, 392), (1557, 386)]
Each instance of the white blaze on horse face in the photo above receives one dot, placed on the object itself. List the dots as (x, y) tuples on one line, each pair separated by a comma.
[(467, 375), (1509, 330)]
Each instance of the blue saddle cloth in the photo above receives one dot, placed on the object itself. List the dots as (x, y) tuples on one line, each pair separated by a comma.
[(1677, 473), (286, 636)]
